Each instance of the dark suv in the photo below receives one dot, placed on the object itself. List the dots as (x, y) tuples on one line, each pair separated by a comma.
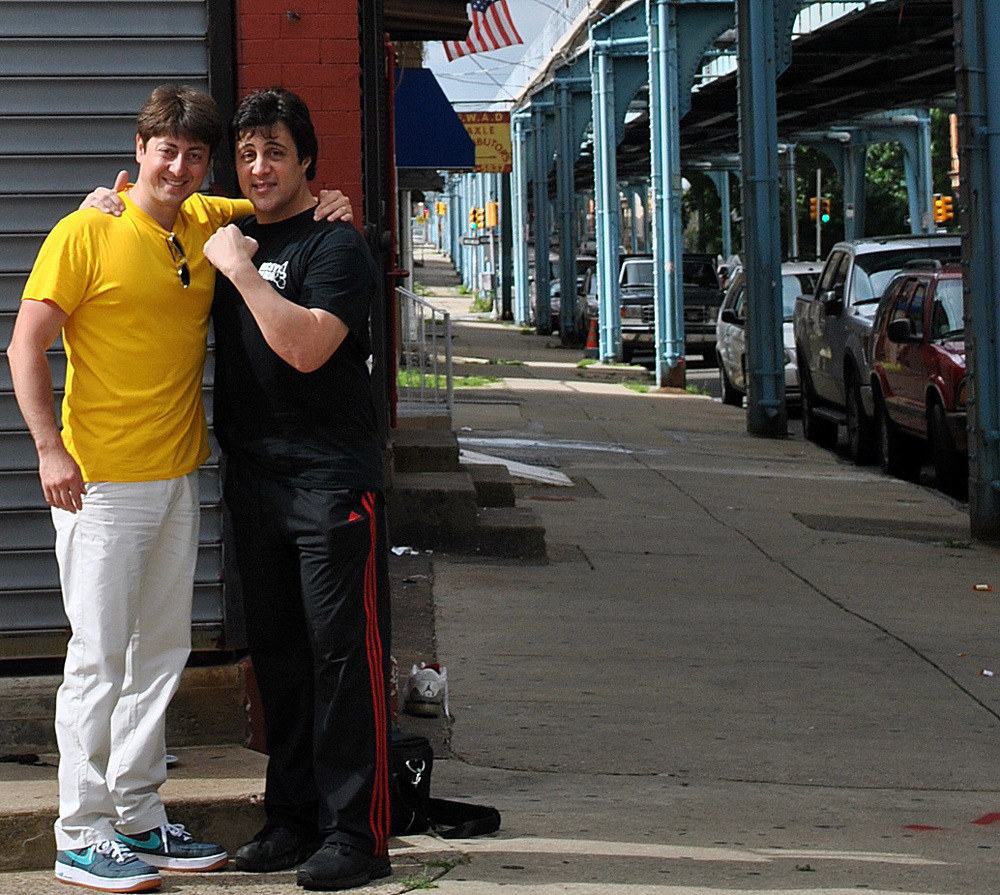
[(918, 374), (702, 297)]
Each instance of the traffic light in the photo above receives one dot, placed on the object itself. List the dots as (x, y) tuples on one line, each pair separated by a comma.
[(481, 218), (492, 214), (473, 220), (440, 207), (812, 208), (826, 211), (944, 209)]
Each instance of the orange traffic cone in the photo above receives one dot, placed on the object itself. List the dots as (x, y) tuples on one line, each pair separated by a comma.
[(592, 352)]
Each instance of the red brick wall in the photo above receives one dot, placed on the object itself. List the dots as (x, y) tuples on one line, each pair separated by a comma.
[(311, 48)]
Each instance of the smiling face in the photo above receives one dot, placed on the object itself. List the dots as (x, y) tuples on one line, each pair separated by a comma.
[(171, 169), (271, 174)]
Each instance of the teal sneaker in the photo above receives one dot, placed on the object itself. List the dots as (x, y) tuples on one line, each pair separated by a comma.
[(171, 847), (108, 866)]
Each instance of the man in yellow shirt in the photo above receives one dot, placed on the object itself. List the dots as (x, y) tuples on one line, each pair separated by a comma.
[(131, 295)]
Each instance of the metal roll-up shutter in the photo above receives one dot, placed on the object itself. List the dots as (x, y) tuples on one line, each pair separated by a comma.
[(73, 75)]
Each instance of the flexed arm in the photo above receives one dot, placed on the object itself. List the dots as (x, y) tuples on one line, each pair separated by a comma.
[(306, 338)]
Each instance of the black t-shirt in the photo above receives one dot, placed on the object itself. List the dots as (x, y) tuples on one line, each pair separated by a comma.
[(308, 429)]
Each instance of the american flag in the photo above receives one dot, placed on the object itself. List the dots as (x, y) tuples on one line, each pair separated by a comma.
[(492, 28)]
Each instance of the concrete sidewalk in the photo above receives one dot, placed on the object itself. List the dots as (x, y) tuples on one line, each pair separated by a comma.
[(746, 666)]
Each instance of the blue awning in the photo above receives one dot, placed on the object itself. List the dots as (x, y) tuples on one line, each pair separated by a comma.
[(428, 132)]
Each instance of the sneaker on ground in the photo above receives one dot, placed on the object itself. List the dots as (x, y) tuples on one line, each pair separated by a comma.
[(427, 690), (171, 847), (108, 867), (338, 865)]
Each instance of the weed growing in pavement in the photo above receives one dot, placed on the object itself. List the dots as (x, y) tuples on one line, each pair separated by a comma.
[(482, 303), (640, 387), (503, 362), (419, 379), (421, 289), (425, 879), (474, 381), (695, 390), (586, 362)]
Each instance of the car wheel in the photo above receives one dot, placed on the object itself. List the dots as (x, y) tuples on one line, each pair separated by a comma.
[(860, 429), (817, 430), (627, 351), (730, 395), (898, 455), (951, 469)]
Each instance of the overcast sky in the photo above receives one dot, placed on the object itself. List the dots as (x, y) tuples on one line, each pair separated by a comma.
[(474, 81)]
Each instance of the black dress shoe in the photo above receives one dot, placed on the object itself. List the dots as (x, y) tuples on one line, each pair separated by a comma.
[(274, 848), (338, 865)]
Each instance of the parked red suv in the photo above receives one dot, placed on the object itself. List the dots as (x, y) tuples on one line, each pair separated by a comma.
[(918, 374)]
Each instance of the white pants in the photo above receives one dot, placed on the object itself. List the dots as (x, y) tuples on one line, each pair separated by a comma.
[(126, 564)]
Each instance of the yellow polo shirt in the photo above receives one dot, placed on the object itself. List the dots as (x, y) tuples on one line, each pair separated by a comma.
[(134, 337)]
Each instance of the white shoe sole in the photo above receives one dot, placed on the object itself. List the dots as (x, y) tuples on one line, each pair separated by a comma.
[(77, 876), (172, 862)]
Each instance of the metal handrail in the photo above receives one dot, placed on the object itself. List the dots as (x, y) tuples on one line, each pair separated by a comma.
[(426, 381)]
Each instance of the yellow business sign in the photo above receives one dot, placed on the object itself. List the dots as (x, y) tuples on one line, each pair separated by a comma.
[(490, 131)]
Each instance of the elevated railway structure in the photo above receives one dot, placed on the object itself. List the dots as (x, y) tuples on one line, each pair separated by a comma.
[(636, 93)]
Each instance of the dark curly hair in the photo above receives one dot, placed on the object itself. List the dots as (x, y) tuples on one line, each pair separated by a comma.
[(263, 109)]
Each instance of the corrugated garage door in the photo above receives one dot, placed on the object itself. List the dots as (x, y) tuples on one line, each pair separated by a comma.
[(73, 74)]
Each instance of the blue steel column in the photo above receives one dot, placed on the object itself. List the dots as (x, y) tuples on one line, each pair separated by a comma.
[(924, 182), (519, 202), (721, 180), (791, 189), (566, 200), (607, 221), (853, 176), (977, 35), (506, 263), (540, 203), (758, 127), (665, 182)]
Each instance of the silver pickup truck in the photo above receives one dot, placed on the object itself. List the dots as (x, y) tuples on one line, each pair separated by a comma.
[(833, 329)]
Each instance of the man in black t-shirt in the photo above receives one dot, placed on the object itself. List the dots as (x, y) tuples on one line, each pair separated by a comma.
[(295, 419)]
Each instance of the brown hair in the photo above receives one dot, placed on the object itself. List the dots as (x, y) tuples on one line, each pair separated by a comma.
[(180, 112)]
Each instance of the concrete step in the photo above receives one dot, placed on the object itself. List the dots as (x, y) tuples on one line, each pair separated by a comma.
[(416, 449), (208, 709), (511, 532), (493, 483), (217, 792), (440, 511), (432, 510)]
